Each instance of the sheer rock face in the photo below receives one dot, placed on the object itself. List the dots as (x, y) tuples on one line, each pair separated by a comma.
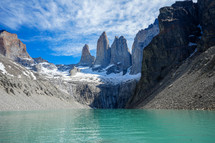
[(169, 48), (142, 39), (86, 58), (12, 47), (103, 53), (207, 21), (120, 52)]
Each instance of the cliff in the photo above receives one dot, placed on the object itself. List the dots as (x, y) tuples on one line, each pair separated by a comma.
[(120, 52), (12, 47), (141, 40), (180, 37)]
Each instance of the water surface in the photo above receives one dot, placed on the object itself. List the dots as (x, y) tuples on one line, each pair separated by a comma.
[(108, 126)]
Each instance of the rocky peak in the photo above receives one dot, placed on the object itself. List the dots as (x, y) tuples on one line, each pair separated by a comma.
[(120, 52), (12, 47), (103, 53), (142, 39), (86, 58), (40, 60)]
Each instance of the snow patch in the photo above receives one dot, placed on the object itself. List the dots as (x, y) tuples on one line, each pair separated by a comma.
[(192, 44), (33, 76), (2, 68), (27, 59)]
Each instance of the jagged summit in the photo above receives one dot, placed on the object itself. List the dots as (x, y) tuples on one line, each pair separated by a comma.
[(120, 52), (103, 53), (86, 58), (40, 60)]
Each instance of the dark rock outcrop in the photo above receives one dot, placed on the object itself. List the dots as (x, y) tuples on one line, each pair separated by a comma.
[(120, 52), (142, 39), (86, 58), (207, 22), (103, 53), (168, 49), (40, 60), (11, 47), (190, 86)]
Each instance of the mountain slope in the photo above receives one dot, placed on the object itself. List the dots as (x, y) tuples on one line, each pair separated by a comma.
[(22, 89), (191, 86)]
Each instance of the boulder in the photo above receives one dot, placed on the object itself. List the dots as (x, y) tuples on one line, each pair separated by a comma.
[(74, 70)]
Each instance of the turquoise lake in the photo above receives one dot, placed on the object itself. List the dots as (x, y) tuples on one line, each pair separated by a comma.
[(108, 126)]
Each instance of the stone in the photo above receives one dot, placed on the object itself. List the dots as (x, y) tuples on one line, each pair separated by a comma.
[(74, 70), (103, 52), (120, 52), (142, 39), (86, 58)]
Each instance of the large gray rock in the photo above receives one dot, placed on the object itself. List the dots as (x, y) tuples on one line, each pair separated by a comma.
[(142, 39), (103, 53), (120, 52), (73, 71), (86, 58)]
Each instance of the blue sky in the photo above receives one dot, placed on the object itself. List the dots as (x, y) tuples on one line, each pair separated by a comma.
[(56, 30)]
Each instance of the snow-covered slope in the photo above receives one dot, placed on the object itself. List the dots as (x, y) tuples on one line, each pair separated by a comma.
[(86, 74)]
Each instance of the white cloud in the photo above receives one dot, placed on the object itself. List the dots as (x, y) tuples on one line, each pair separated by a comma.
[(80, 20)]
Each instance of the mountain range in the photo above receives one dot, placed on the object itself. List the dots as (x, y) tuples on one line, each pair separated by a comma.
[(172, 66)]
